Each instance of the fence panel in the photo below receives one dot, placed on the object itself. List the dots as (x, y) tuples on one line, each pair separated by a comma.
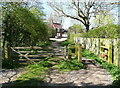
[(98, 45)]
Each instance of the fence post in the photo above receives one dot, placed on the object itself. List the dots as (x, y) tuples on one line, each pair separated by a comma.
[(69, 51), (65, 52), (76, 49), (110, 53), (5, 50), (79, 52), (116, 52)]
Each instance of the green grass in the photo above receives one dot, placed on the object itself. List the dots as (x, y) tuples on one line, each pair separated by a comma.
[(35, 73), (70, 65), (114, 70), (44, 44), (66, 43)]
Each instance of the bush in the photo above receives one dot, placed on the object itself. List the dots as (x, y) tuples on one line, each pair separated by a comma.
[(66, 43), (10, 64), (108, 31)]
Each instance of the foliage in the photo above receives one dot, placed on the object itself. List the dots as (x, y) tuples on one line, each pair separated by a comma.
[(10, 64), (76, 28), (44, 44), (108, 31), (22, 26), (51, 32), (114, 70), (103, 18), (66, 43), (70, 65), (34, 75)]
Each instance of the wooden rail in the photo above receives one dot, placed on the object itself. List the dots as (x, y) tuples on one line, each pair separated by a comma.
[(35, 47), (77, 53), (106, 53), (102, 45)]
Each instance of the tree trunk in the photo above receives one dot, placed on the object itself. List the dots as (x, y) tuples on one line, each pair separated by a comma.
[(87, 27)]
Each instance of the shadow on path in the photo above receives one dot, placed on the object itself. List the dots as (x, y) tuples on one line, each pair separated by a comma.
[(35, 83)]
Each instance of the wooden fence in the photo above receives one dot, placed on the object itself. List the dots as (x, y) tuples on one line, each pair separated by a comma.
[(26, 55), (107, 49), (76, 52)]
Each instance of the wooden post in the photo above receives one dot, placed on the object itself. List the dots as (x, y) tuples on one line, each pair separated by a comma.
[(9, 53), (5, 51), (118, 40), (101, 49), (110, 53), (116, 52), (76, 49), (69, 51), (79, 52), (64, 52)]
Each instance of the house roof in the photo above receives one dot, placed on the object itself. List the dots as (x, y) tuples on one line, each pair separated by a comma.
[(57, 25)]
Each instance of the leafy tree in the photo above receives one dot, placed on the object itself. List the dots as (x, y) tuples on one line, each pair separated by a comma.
[(23, 27), (76, 28), (108, 31), (103, 18)]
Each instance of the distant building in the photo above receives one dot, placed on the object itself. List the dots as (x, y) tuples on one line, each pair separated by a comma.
[(55, 23), (58, 28)]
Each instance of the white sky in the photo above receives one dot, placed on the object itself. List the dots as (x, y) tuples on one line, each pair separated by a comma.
[(67, 22)]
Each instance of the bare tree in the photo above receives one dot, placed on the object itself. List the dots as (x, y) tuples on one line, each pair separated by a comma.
[(81, 11)]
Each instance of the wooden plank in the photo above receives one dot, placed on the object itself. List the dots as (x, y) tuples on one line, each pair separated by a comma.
[(104, 47), (35, 47), (76, 49), (110, 54), (69, 51), (30, 59), (32, 51), (79, 52), (32, 55)]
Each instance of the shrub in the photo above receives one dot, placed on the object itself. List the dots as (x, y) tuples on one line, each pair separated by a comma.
[(108, 31)]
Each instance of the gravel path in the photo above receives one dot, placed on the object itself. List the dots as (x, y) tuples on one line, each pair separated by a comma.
[(9, 75), (94, 75), (81, 77)]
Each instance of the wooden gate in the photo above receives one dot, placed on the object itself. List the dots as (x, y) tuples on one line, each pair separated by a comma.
[(26, 55), (34, 54), (77, 52)]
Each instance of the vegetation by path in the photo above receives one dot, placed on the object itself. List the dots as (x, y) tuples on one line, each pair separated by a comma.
[(114, 70), (60, 72), (65, 73), (37, 72)]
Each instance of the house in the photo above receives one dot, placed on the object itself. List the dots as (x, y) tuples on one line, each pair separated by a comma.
[(58, 28)]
